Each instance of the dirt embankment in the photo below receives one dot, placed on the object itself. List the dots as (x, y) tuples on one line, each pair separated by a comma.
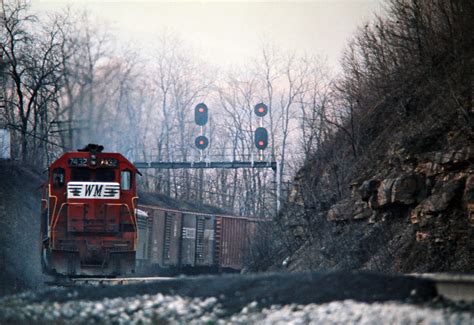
[(20, 202)]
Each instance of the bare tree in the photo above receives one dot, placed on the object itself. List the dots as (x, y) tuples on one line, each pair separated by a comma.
[(33, 71)]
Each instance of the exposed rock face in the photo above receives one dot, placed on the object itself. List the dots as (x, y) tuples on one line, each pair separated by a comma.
[(349, 209), (368, 189), (392, 174), (361, 210), (439, 200), (341, 211), (415, 213), (468, 195)]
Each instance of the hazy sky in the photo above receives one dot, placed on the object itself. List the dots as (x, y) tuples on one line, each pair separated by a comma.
[(225, 32)]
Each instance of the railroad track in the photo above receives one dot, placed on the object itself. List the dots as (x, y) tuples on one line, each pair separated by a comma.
[(456, 287), (117, 281), (69, 282)]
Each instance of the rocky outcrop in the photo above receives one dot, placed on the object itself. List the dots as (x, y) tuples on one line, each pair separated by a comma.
[(341, 211), (439, 200), (349, 209), (417, 215), (428, 189), (393, 179)]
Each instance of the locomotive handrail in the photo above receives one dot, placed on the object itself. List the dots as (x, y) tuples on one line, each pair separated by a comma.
[(61, 208), (78, 203), (134, 206), (129, 211), (54, 210)]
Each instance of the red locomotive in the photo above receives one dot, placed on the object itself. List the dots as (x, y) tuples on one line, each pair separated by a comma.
[(89, 226)]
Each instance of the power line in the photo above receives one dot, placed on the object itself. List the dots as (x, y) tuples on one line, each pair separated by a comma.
[(29, 133)]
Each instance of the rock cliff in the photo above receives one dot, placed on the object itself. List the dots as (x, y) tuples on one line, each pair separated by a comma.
[(390, 185), (412, 211)]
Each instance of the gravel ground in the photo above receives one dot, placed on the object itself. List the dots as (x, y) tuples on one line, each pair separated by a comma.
[(174, 309), (280, 298)]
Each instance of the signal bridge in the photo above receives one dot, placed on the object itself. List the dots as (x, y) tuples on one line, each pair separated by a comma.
[(207, 164), (274, 165), (201, 118)]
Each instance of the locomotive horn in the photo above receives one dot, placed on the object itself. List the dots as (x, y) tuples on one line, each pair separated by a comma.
[(92, 147)]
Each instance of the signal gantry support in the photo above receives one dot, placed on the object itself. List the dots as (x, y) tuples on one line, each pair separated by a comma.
[(274, 165)]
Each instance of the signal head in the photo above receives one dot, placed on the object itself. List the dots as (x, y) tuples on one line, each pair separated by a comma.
[(201, 142), (261, 138), (261, 110), (201, 114)]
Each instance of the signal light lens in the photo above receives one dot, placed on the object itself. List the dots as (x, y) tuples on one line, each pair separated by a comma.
[(201, 142), (261, 110)]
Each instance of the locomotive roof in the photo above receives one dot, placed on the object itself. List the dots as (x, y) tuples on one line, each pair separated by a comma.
[(82, 153)]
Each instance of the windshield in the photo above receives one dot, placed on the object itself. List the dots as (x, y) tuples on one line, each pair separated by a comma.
[(99, 175)]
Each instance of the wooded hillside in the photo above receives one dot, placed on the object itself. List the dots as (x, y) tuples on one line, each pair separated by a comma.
[(389, 184)]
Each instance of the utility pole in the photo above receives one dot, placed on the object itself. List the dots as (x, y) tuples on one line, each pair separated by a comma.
[(278, 185), (2, 62)]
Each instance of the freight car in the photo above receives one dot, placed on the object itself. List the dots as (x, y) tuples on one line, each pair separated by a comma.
[(174, 241), (88, 222), (143, 224)]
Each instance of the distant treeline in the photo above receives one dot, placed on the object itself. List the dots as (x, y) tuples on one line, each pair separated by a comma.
[(66, 82)]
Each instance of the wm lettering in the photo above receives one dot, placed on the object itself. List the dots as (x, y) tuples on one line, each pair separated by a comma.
[(98, 190), (91, 192), (89, 189)]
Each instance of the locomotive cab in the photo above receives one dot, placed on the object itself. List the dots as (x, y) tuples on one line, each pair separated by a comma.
[(89, 226)]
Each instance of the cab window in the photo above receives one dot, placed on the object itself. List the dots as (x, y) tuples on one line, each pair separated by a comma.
[(58, 177), (80, 174), (125, 179), (105, 175)]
